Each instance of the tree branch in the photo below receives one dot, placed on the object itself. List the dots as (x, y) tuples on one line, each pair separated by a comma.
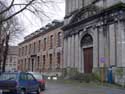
[(3, 20), (8, 8)]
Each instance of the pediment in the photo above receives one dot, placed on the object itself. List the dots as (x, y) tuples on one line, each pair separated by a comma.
[(85, 13)]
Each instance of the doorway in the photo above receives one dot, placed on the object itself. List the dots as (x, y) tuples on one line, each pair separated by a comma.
[(87, 46), (88, 59)]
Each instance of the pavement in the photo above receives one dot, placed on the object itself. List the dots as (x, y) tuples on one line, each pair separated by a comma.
[(56, 87)]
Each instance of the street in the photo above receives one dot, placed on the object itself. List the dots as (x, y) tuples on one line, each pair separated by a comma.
[(61, 88)]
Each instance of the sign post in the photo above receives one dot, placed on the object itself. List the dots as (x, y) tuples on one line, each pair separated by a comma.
[(103, 60)]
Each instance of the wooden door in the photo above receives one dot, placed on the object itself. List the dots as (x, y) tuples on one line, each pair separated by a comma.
[(88, 60)]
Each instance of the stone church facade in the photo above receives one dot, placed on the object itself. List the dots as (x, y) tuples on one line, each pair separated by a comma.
[(94, 37)]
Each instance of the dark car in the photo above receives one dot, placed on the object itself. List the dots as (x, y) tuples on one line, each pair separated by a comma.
[(40, 79), (18, 83)]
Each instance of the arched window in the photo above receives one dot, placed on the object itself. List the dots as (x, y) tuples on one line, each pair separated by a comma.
[(87, 40), (39, 44), (58, 60), (50, 63), (59, 39), (51, 41), (44, 61), (45, 42)]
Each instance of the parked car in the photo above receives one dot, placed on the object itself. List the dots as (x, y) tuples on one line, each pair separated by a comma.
[(40, 79), (18, 83)]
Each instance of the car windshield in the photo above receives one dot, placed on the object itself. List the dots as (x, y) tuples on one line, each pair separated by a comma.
[(8, 76), (37, 76)]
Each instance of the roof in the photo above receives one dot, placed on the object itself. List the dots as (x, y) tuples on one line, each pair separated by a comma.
[(43, 30)]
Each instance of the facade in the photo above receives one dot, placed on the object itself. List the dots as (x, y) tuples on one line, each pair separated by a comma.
[(12, 59), (94, 37), (43, 50)]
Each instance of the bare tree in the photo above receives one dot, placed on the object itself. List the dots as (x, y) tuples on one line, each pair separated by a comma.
[(34, 6), (9, 9)]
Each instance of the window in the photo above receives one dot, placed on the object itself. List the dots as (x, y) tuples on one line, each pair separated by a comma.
[(22, 51), (30, 77), (25, 64), (50, 64), (19, 51), (29, 64), (39, 43), (44, 61), (58, 60), (44, 44), (29, 48), (10, 59), (34, 47), (26, 50), (59, 39), (23, 76), (51, 41), (38, 62)]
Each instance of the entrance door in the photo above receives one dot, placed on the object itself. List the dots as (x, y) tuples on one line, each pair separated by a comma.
[(88, 60)]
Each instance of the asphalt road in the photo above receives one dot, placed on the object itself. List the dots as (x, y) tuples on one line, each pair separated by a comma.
[(61, 88)]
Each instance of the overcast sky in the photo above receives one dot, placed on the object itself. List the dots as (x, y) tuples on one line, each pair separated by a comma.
[(32, 23)]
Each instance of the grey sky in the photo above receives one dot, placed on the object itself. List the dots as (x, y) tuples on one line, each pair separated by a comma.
[(32, 23)]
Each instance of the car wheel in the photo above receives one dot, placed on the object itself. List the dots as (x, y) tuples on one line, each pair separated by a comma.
[(39, 90), (22, 92)]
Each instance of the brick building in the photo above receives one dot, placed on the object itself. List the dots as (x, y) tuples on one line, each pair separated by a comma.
[(12, 59), (43, 50)]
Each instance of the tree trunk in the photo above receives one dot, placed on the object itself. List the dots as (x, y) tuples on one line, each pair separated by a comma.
[(5, 53), (1, 53)]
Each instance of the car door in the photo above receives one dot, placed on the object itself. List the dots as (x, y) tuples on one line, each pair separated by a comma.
[(23, 81), (32, 82)]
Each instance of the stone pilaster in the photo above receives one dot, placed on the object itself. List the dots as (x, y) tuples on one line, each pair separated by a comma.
[(65, 53), (68, 54), (72, 52), (123, 42), (112, 44), (95, 48), (119, 44), (101, 46), (76, 51), (81, 64)]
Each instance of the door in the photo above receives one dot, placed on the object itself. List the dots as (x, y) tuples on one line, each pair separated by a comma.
[(88, 60)]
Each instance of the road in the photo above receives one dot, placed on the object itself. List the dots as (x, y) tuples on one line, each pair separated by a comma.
[(61, 88)]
